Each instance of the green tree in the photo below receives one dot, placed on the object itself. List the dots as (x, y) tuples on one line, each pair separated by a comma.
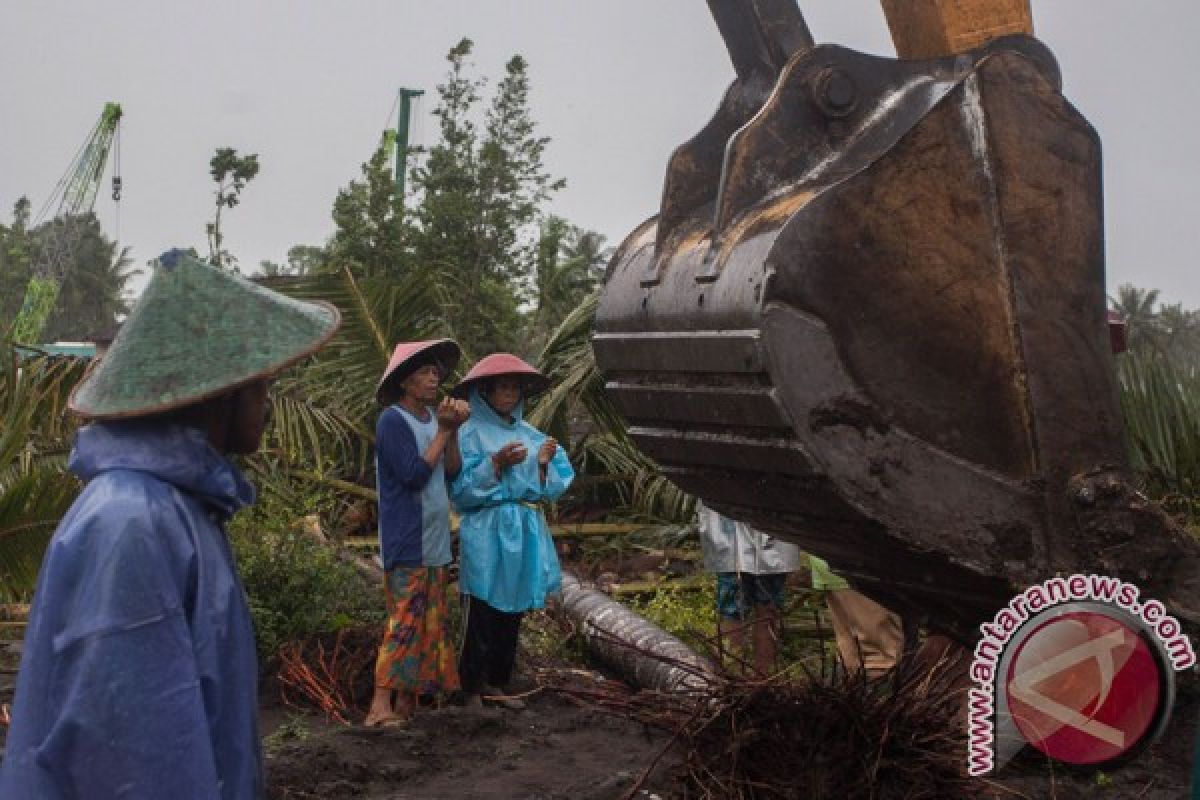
[(369, 236), (307, 259), (1178, 332), (15, 262), (93, 293), (231, 173), (446, 182), (569, 265), (1136, 306), (513, 181), (303, 259), (479, 199)]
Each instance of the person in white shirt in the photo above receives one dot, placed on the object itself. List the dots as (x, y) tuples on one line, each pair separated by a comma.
[(752, 570)]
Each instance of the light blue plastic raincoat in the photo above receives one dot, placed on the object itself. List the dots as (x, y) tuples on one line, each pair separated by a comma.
[(507, 554), (139, 678)]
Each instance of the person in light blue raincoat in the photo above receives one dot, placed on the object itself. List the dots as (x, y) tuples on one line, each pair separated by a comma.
[(508, 564), (138, 677)]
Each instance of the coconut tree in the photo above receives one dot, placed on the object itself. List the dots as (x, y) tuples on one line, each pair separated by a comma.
[(324, 411), (569, 264), (1179, 331), (94, 293), (1141, 320), (603, 453), (35, 488)]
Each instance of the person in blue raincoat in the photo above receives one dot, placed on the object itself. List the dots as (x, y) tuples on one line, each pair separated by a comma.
[(508, 564), (138, 677)]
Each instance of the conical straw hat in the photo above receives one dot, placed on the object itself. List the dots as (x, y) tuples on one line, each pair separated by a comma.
[(497, 364), (197, 332)]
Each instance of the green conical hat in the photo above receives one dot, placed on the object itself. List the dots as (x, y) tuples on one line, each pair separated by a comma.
[(198, 332)]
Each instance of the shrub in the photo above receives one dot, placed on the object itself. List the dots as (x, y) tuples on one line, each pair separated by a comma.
[(690, 615), (296, 586)]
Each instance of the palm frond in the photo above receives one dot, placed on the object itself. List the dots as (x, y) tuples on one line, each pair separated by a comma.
[(645, 493), (376, 313), (30, 508), (33, 396), (1161, 405), (570, 364), (577, 390)]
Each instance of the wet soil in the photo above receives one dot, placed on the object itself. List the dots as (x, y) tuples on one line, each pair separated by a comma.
[(555, 749), (550, 750), (1162, 772)]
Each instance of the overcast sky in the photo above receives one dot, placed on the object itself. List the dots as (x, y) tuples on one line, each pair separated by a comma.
[(616, 85)]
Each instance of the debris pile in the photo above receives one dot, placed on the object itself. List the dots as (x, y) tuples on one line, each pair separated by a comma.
[(831, 734)]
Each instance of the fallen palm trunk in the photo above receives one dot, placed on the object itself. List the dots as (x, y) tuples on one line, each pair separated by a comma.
[(641, 653)]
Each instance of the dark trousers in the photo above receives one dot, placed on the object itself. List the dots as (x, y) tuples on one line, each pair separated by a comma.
[(489, 645)]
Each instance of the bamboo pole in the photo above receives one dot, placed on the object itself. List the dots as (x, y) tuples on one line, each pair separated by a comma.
[(584, 529)]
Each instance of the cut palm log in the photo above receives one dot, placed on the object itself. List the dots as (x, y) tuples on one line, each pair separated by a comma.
[(640, 652)]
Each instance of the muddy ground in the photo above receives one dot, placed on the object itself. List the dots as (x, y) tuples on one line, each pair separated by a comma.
[(550, 750), (557, 749)]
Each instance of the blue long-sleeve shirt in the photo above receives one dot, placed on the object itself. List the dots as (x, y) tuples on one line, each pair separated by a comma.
[(138, 677), (414, 508), (507, 556)]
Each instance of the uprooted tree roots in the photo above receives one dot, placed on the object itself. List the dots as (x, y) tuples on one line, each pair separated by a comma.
[(329, 672), (833, 736)]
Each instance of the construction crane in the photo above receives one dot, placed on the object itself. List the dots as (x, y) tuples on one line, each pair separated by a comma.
[(73, 198), (397, 139)]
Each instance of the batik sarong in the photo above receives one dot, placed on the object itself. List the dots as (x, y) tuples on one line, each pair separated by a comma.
[(417, 654)]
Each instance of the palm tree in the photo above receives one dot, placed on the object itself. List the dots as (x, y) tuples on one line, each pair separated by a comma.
[(570, 263), (1141, 320), (93, 295), (604, 452), (35, 488), (1178, 332), (324, 412)]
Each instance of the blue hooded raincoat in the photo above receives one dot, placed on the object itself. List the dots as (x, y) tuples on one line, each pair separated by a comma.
[(506, 551), (138, 678)]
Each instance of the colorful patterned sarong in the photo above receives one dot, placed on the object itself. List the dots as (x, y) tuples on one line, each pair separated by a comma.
[(417, 654)]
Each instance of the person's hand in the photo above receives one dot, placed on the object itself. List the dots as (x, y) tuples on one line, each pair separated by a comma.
[(463, 411), (511, 453), (447, 415), (547, 450)]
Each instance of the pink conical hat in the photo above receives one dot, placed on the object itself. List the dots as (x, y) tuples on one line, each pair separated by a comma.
[(533, 382), (444, 351)]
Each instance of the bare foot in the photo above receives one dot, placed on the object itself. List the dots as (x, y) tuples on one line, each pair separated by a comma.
[(388, 720)]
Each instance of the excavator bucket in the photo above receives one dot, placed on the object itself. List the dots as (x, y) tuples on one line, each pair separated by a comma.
[(869, 318)]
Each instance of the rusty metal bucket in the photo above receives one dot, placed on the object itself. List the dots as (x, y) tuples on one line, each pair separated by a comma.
[(870, 318)]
